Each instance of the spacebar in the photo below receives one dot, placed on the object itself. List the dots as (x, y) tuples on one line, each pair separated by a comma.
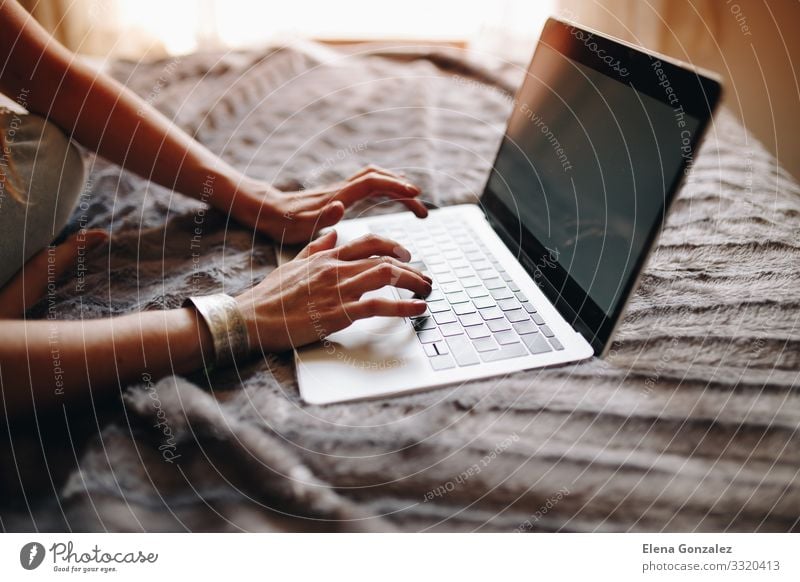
[(504, 353)]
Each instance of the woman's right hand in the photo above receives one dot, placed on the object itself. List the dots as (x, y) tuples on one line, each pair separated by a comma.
[(319, 292)]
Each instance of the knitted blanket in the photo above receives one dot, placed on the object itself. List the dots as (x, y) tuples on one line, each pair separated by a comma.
[(691, 423)]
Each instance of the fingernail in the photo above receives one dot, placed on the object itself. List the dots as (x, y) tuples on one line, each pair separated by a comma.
[(412, 188), (419, 303), (428, 279)]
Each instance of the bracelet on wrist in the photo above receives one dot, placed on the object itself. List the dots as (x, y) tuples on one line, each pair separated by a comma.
[(226, 324)]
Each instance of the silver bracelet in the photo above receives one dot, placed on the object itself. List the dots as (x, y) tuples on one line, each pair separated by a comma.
[(227, 326)]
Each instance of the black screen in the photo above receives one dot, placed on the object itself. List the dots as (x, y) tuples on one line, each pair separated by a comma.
[(586, 167)]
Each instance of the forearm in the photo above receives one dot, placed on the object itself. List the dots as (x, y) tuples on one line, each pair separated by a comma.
[(110, 119), (103, 115), (46, 362)]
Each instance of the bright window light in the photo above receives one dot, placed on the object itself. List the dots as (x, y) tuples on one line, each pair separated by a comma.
[(183, 26)]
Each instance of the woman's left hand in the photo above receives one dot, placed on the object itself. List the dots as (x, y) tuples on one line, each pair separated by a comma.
[(294, 217)]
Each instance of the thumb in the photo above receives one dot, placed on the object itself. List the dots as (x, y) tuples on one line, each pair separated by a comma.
[(324, 243), (30, 284)]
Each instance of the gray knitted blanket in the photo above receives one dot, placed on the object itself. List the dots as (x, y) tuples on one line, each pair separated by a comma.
[(690, 424)]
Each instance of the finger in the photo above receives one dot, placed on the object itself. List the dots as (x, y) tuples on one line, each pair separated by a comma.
[(352, 268), (375, 169), (375, 182), (379, 306), (326, 242), (371, 245), (386, 274), (30, 284), (413, 204), (372, 184)]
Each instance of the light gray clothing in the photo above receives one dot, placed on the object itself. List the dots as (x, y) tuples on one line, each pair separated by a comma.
[(48, 170)]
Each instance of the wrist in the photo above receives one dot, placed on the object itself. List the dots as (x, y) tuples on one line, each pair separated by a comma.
[(198, 334), (226, 326)]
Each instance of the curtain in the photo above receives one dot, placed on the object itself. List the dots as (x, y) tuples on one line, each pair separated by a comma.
[(683, 29)]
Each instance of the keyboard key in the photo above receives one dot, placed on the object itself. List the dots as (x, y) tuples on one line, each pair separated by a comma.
[(485, 344), (505, 352), (435, 295), (463, 308), (462, 351), (496, 283), (508, 304), (441, 347), (528, 306), (470, 320), (444, 317), (458, 297), (547, 331), (513, 286), (459, 264), (477, 292), (430, 350), (442, 362), (491, 313), (481, 265), (449, 329), (506, 337), (444, 278), (476, 331), (451, 287), (423, 323), (470, 282), (485, 274), (537, 318), (516, 315), (498, 324), (500, 293), (521, 296), (438, 306), (427, 336), (556, 344), (536, 343), (440, 268), (524, 327), (463, 273), (507, 278), (481, 302)]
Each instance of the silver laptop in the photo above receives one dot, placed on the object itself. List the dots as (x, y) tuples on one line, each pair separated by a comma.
[(539, 271)]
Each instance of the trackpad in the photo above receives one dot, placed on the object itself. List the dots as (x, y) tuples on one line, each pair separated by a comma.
[(361, 360), (370, 343)]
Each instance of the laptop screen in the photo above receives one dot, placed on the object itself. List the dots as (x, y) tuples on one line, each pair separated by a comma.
[(595, 148)]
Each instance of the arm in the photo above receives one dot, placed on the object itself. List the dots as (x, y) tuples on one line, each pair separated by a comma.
[(44, 362), (100, 113), (106, 117)]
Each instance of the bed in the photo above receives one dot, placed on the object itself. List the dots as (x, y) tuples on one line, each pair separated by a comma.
[(690, 424)]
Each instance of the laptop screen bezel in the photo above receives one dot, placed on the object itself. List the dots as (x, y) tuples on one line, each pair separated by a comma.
[(699, 95)]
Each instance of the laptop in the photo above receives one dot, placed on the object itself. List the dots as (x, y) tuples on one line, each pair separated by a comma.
[(539, 271)]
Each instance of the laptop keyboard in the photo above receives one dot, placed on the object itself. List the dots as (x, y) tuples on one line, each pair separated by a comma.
[(476, 312)]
